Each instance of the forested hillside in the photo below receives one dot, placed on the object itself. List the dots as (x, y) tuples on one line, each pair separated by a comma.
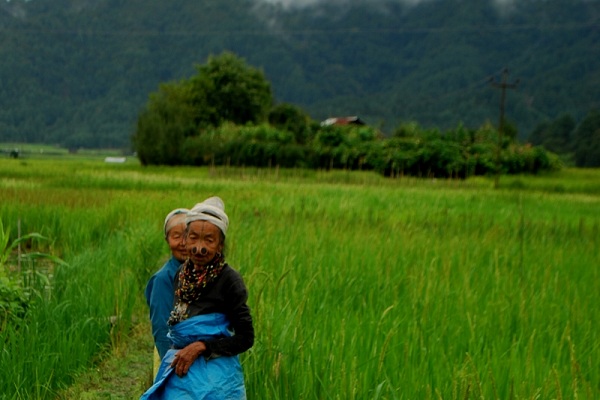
[(78, 72)]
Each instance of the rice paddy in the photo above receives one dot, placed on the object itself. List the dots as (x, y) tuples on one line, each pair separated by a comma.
[(361, 287)]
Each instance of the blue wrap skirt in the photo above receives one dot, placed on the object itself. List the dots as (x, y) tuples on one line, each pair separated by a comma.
[(217, 378)]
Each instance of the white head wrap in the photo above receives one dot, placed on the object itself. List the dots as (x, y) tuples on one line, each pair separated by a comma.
[(174, 218), (211, 210)]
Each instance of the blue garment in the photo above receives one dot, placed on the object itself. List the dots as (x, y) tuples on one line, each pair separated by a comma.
[(159, 296), (219, 378)]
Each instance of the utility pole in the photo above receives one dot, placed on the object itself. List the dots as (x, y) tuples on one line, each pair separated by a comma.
[(503, 85)]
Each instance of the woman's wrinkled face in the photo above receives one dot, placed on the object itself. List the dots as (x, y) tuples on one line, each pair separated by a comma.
[(176, 241), (203, 242)]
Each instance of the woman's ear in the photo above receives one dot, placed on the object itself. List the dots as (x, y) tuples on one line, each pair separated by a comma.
[(221, 242)]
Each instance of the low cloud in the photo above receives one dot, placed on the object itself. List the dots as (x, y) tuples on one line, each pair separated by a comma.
[(505, 5), (295, 4)]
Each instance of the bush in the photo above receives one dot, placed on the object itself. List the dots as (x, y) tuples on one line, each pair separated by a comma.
[(15, 296), (13, 302)]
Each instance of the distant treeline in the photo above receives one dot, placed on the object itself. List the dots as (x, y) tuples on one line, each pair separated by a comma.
[(577, 143), (77, 73), (224, 115)]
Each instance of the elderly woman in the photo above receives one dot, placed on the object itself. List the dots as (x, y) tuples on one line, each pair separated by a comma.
[(210, 321), (159, 290)]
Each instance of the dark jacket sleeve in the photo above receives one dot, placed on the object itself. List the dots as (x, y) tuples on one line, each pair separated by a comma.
[(238, 312)]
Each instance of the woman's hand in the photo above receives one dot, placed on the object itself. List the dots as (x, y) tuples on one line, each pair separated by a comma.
[(185, 357)]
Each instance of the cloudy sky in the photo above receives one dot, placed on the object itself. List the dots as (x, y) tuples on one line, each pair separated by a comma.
[(305, 3)]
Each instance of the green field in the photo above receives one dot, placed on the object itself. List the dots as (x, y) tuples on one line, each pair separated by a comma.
[(361, 287)]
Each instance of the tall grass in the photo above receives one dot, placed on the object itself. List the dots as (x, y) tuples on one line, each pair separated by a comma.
[(406, 296), (88, 306), (360, 287), (90, 302)]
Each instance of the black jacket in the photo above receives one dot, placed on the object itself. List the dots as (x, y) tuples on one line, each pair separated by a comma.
[(227, 295)]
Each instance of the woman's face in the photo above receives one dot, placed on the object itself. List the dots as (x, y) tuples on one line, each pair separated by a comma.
[(176, 242), (203, 242)]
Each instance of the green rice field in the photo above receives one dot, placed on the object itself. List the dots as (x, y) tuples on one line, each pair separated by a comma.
[(361, 287)]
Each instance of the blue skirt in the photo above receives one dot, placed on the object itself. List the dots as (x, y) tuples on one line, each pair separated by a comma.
[(214, 379)]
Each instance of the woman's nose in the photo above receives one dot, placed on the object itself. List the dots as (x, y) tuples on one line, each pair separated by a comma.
[(203, 251)]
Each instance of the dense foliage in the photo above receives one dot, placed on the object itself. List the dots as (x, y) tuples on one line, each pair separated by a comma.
[(77, 73), (576, 143), (18, 288), (181, 126), (224, 90)]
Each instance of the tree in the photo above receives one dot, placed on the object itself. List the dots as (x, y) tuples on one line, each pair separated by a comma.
[(554, 135), (587, 141), (224, 90), (292, 119), (227, 89), (77, 141), (164, 124)]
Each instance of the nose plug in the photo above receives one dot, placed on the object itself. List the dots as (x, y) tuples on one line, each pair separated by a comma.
[(203, 251)]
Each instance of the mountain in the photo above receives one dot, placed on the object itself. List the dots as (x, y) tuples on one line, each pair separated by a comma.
[(81, 70)]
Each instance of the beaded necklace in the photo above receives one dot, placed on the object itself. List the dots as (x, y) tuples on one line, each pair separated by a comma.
[(192, 280)]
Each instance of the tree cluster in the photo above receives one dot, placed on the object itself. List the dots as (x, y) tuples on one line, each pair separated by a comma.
[(576, 143), (225, 115)]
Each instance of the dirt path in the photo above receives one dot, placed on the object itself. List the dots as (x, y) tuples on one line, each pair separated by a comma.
[(123, 375)]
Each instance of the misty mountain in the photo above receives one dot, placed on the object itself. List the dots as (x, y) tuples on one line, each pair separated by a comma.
[(82, 70)]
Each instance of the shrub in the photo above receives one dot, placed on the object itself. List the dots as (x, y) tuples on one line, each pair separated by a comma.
[(13, 302), (14, 295)]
